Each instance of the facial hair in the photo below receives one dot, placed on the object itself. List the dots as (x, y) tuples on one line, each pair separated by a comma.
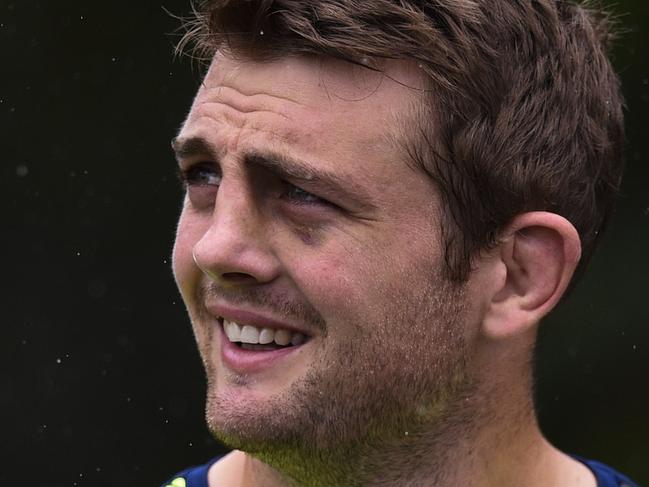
[(383, 384)]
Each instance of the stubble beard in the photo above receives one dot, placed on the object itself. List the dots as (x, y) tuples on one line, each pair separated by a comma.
[(363, 398)]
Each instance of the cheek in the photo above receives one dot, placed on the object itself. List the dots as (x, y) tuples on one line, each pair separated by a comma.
[(333, 282), (360, 282)]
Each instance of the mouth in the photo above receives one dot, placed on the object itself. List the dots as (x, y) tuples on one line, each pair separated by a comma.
[(249, 337), (249, 348)]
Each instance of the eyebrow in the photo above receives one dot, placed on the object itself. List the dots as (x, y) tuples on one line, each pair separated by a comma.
[(189, 148), (284, 167)]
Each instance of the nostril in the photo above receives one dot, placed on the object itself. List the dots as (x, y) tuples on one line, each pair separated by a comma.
[(237, 277)]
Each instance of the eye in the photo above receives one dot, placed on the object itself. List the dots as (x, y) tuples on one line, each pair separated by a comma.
[(302, 197), (200, 175), (201, 182)]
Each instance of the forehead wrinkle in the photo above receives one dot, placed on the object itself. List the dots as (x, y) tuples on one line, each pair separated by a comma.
[(242, 110), (225, 117), (247, 101), (227, 92), (230, 82)]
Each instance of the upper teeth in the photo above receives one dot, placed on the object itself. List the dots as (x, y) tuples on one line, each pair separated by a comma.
[(252, 334)]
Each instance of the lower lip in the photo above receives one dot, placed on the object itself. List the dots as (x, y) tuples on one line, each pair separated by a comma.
[(248, 361)]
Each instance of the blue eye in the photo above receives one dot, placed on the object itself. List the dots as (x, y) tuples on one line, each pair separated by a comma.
[(201, 183), (201, 175), (300, 196)]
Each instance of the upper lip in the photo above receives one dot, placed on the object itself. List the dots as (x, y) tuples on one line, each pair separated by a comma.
[(251, 317)]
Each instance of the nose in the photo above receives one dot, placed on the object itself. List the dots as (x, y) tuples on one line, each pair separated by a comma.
[(234, 250)]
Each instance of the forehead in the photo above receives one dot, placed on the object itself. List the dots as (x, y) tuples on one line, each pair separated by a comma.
[(307, 101)]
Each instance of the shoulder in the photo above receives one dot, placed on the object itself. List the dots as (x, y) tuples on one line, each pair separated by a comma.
[(607, 476), (226, 470), (192, 476)]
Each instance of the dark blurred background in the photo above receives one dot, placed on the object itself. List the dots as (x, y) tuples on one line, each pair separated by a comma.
[(100, 383)]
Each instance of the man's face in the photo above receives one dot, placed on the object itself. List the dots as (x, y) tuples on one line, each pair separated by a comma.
[(303, 221)]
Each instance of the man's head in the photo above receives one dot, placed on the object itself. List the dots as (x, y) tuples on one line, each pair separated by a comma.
[(301, 215), (394, 187), (522, 109)]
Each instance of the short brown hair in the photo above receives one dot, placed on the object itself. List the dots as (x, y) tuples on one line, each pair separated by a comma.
[(524, 110)]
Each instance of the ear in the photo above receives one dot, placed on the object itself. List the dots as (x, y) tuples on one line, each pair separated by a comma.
[(537, 256)]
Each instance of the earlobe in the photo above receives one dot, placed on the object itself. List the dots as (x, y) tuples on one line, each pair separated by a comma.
[(539, 252)]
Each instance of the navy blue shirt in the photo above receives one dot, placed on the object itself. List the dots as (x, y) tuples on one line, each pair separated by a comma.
[(605, 475)]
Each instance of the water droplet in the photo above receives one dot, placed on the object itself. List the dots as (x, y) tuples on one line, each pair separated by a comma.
[(113, 59), (78, 254), (58, 360), (22, 170)]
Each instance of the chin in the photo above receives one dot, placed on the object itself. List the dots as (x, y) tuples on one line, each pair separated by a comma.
[(250, 421)]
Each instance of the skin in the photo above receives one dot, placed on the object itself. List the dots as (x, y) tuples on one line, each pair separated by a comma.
[(407, 379)]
